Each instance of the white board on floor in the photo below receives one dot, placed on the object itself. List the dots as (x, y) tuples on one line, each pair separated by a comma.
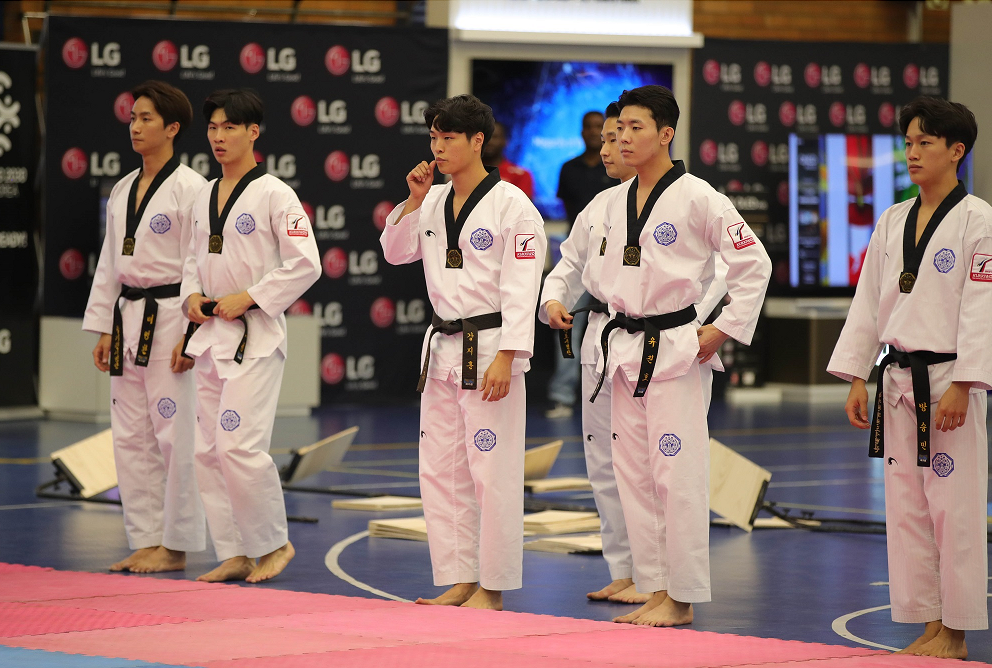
[(736, 485), (89, 464)]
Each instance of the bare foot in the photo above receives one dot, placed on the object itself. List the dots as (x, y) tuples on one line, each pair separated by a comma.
[(235, 568), (160, 561), (630, 595), (611, 589), (137, 555), (947, 644), (930, 632), (669, 613), (272, 564), (656, 599), (457, 595), (484, 599)]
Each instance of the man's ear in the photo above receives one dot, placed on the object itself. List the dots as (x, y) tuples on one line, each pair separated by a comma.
[(254, 131), (477, 141), (667, 134)]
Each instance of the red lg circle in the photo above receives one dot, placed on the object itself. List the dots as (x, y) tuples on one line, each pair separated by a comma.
[(759, 153), (252, 58), (762, 73), (707, 152), (335, 263), (383, 312), (336, 166), (711, 72), (71, 264), (75, 53), (74, 163), (736, 112), (165, 55), (337, 61), (332, 368), (380, 213), (387, 112), (303, 111), (122, 107), (812, 75)]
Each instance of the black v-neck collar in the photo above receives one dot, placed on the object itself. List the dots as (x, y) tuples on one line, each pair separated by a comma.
[(453, 226), (217, 220), (134, 210), (635, 223), (912, 252)]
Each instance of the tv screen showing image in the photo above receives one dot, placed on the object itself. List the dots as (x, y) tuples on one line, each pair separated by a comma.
[(839, 185), (542, 104)]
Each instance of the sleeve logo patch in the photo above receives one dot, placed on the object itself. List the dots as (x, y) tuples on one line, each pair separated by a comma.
[(741, 235), (981, 268), (296, 225), (526, 246)]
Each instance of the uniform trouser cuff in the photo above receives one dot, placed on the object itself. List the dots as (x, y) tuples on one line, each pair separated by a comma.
[(621, 572), (978, 623), (145, 541), (690, 595), (903, 616)]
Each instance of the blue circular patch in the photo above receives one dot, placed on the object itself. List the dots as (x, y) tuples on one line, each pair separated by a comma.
[(665, 234), (942, 464), (230, 420), (944, 260), (670, 444), (160, 223), (481, 239), (485, 440), (245, 224), (166, 407)]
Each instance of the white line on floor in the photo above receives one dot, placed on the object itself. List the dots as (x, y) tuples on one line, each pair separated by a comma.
[(54, 504), (331, 561), (840, 627)]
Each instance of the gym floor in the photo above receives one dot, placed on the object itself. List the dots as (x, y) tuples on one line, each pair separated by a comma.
[(789, 584)]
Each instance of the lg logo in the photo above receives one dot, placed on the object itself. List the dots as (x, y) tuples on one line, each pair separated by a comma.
[(365, 263), (330, 314), (388, 111), (74, 164), (780, 75), (825, 75), (122, 107), (337, 166), (254, 58), (199, 163), (166, 56), (284, 167), (413, 312), (5, 342), (338, 61), (914, 75), (74, 54), (329, 217), (710, 152), (878, 77), (365, 168), (715, 72), (304, 111), (360, 368)]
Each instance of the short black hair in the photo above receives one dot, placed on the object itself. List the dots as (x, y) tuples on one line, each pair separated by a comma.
[(938, 117), (659, 100), (462, 113), (612, 110), (591, 113), (170, 103), (242, 106)]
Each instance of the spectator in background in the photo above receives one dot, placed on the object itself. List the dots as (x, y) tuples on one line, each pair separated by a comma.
[(583, 177), (492, 156)]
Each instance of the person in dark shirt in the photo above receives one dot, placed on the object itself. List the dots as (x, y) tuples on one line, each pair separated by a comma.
[(583, 177)]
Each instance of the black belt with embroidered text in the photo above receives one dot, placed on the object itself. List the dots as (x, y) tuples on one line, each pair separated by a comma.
[(470, 328), (207, 309), (144, 349), (565, 335)]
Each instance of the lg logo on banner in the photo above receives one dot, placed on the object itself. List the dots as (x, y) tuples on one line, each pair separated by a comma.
[(388, 111), (199, 163), (384, 313), (359, 371), (5, 341), (328, 221), (280, 63), (364, 170), (74, 164), (166, 56), (362, 267), (75, 54), (364, 65), (331, 116), (726, 156)]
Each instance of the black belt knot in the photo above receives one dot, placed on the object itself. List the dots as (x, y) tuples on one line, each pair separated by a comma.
[(917, 363), (565, 335), (469, 327), (207, 309), (652, 326), (144, 350)]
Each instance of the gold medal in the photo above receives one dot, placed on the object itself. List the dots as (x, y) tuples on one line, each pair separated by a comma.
[(906, 282), (128, 248), (632, 256), (216, 243), (454, 259)]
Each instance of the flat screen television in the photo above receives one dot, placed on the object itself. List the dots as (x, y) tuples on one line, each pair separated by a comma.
[(541, 104)]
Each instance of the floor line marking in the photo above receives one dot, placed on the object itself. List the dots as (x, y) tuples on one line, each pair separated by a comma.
[(331, 561), (824, 483), (52, 504), (806, 506), (839, 627), (383, 472)]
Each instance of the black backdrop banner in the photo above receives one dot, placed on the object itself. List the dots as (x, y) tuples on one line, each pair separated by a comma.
[(747, 97), (18, 267), (343, 126)]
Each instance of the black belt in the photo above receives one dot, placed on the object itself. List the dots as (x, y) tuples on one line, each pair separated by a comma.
[(565, 335), (470, 344), (917, 363), (207, 309), (144, 351), (652, 326)]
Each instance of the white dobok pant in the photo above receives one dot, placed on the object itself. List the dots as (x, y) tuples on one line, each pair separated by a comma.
[(239, 483), (661, 460), (936, 519), (598, 443), (472, 483), (152, 422)]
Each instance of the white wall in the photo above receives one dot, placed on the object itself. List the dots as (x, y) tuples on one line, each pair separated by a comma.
[(970, 83)]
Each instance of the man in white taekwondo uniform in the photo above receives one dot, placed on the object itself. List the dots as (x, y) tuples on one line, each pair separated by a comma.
[(662, 230), (483, 246), (579, 270), (134, 305), (252, 255), (926, 292)]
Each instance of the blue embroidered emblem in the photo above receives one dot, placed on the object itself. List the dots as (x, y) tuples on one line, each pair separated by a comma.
[(670, 444), (481, 239), (230, 420), (166, 407), (485, 440), (665, 234), (245, 224), (942, 464), (160, 223), (944, 260)]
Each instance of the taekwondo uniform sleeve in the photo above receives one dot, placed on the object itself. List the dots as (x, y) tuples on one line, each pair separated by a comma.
[(974, 363), (300, 267), (858, 345), (400, 238), (106, 289), (748, 271), (716, 291), (564, 283), (524, 250)]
